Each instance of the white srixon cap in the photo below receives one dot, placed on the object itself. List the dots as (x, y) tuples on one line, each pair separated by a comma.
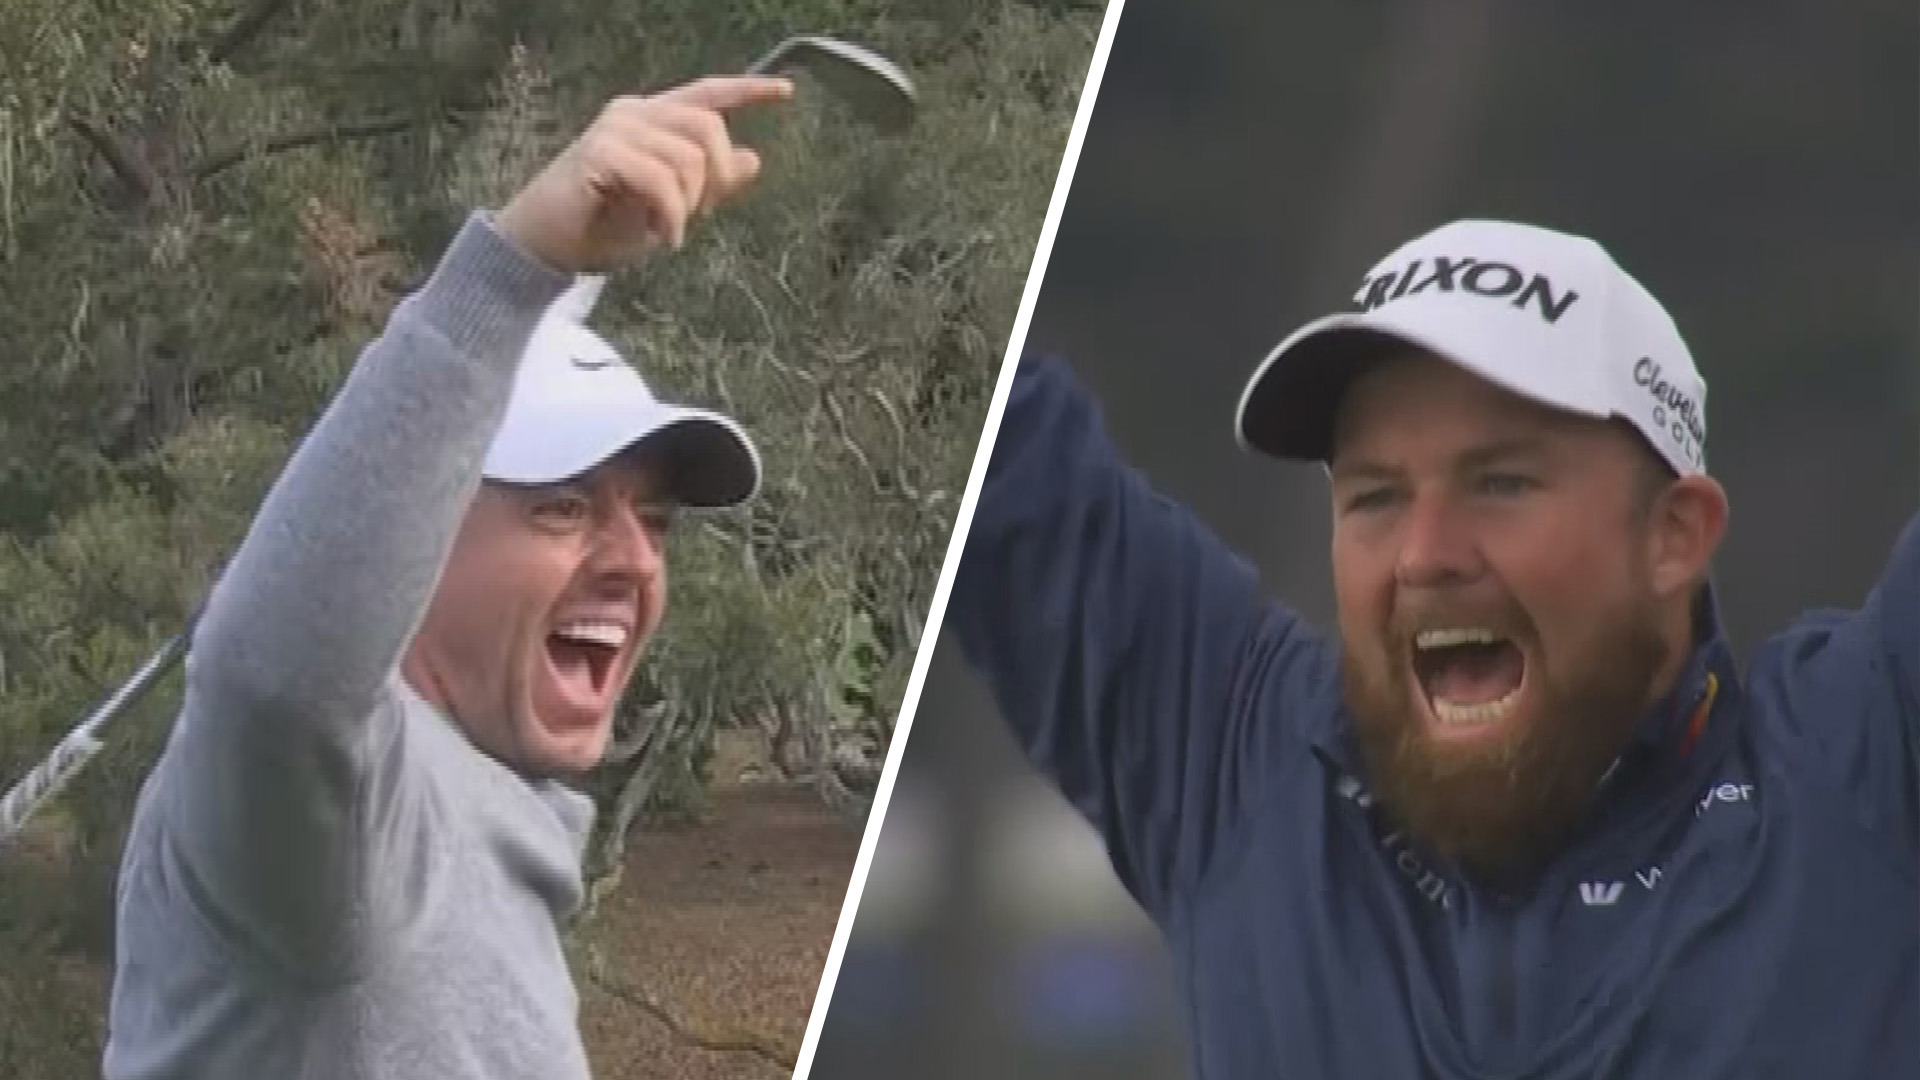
[(1540, 313), (576, 403)]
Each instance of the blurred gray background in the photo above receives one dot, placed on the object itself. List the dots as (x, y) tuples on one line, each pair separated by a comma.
[(1245, 164)]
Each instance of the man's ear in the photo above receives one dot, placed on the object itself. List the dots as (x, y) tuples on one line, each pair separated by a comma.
[(1685, 525)]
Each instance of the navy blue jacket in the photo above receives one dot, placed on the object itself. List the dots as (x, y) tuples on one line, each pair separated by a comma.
[(1745, 904)]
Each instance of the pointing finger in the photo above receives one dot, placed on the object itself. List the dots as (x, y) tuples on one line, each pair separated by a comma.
[(725, 92)]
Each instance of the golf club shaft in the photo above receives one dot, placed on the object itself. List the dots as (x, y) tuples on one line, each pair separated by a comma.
[(72, 753)]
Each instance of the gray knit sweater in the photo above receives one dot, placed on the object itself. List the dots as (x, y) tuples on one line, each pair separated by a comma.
[(324, 878)]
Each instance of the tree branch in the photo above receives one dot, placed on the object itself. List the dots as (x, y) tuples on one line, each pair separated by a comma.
[(227, 159), (368, 129), (739, 1040), (620, 752), (1061, 7), (850, 805), (244, 29), (839, 418), (128, 166), (608, 851)]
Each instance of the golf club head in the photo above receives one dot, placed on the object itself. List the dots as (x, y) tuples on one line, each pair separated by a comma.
[(876, 89)]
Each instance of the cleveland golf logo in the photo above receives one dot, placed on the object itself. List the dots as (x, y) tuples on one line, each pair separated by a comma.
[(1469, 275), (1675, 411)]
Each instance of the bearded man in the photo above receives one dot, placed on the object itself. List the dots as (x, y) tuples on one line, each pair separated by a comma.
[(1524, 816)]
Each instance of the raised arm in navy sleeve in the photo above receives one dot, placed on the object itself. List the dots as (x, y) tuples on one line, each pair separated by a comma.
[(1133, 654), (1851, 684)]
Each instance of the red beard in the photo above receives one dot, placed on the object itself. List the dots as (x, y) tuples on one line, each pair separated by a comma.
[(1499, 807)]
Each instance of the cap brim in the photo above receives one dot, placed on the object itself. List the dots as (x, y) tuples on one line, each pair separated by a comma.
[(706, 457), (1291, 404)]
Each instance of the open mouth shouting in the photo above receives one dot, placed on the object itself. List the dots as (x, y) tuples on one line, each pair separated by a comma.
[(1472, 678), (584, 658)]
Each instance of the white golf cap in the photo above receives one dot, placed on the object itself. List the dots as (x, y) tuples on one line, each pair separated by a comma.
[(577, 402), (1540, 313)]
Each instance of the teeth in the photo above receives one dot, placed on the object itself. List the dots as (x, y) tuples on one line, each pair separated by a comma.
[(610, 634), (1447, 638), (1458, 714)]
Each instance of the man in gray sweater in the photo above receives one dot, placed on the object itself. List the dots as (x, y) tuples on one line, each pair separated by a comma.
[(355, 856)]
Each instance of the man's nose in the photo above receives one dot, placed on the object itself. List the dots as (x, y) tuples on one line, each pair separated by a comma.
[(627, 547), (1436, 544)]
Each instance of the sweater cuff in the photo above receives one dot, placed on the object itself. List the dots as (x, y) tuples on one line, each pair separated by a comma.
[(486, 294)]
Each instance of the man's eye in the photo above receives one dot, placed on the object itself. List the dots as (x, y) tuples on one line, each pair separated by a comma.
[(1503, 484), (655, 518), (1370, 499), (564, 508)]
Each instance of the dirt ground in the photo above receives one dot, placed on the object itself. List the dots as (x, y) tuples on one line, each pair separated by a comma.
[(710, 951), (712, 948)]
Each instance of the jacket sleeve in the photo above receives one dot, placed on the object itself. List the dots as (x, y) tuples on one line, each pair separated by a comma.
[(1131, 652), (1847, 680), (291, 803)]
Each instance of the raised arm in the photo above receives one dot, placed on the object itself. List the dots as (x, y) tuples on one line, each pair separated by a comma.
[(1129, 649), (289, 795), (1851, 681)]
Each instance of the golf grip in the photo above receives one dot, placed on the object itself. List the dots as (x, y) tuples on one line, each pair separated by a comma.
[(48, 779)]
